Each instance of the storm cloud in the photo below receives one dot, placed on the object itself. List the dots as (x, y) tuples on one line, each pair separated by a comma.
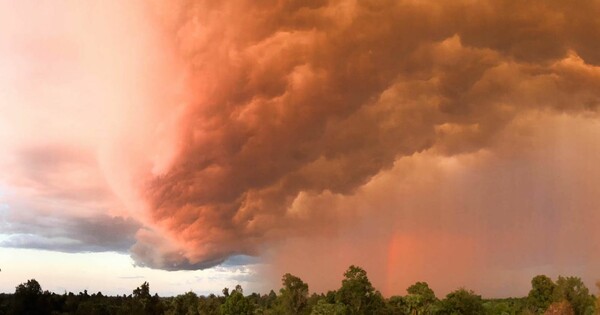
[(219, 130), (288, 98)]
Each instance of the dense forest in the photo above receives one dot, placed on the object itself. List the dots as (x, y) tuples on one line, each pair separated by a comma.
[(566, 295)]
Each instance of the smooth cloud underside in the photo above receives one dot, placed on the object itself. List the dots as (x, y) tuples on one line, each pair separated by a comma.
[(232, 126)]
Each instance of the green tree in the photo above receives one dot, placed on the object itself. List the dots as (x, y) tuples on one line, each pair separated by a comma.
[(497, 308), (209, 305), (462, 302), (294, 294), (598, 298), (541, 294), (325, 308), (185, 304), (141, 292), (397, 305), (237, 304), (574, 291), (420, 298), (507, 306), (29, 299), (142, 302), (270, 299), (358, 294), (560, 308)]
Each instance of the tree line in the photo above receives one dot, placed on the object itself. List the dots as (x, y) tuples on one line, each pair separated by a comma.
[(356, 296)]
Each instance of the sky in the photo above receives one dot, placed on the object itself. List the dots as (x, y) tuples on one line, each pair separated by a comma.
[(200, 144)]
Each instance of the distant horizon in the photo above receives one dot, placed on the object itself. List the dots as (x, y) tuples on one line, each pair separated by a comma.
[(127, 277), (163, 279)]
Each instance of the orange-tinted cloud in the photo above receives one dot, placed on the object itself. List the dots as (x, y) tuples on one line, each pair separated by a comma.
[(286, 99), (488, 220)]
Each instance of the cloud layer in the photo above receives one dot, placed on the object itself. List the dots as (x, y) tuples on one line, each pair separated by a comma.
[(288, 99), (207, 130)]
